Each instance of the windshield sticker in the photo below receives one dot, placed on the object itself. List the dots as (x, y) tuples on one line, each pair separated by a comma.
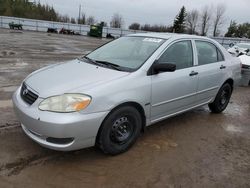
[(152, 40)]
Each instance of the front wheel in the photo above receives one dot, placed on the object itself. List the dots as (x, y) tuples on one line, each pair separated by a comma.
[(222, 99), (120, 130)]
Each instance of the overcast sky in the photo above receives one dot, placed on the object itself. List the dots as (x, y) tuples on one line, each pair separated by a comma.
[(147, 11)]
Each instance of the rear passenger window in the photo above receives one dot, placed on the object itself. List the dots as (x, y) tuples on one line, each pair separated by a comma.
[(207, 53), (180, 54)]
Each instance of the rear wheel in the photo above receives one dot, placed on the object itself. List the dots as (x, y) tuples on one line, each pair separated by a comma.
[(120, 130), (222, 99)]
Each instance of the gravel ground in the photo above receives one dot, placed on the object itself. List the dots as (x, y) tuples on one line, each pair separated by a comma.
[(195, 149)]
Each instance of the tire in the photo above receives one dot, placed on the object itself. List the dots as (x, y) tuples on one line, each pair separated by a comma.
[(222, 99), (119, 130)]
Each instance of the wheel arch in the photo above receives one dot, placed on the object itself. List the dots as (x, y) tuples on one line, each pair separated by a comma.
[(230, 81), (136, 105)]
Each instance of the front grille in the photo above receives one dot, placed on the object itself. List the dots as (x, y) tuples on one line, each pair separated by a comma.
[(27, 95), (59, 140)]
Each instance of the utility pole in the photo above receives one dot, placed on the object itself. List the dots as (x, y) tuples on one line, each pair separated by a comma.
[(80, 6)]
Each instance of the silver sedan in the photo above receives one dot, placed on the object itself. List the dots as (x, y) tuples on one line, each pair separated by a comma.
[(109, 96)]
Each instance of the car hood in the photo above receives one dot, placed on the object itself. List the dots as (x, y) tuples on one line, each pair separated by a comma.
[(245, 59), (66, 77)]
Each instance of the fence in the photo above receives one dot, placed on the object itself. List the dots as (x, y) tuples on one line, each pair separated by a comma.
[(226, 41), (41, 25)]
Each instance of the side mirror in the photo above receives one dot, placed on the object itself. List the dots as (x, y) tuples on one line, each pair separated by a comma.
[(163, 67)]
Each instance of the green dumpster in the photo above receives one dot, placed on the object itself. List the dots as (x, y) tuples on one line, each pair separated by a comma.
[(96, 30)]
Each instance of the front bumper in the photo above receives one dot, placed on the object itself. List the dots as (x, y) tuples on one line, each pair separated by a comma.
[(80, 129)]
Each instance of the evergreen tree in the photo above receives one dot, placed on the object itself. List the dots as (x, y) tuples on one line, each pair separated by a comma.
[(27, 9), (179, 22), (232, 30), (238, 30)]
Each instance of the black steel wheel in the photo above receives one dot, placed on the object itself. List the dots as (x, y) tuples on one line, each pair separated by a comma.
[(119, 130), (222, 99)]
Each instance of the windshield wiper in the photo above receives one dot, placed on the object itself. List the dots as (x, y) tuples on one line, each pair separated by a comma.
[(105, 63), (112, 65), (89, 59)]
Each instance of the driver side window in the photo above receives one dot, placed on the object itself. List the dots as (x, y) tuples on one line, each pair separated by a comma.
[(180, 54)]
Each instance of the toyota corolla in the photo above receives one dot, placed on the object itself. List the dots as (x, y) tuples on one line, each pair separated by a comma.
[(108, 97)]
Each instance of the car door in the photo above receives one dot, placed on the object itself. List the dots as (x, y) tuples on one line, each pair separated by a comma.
[(175, 91), (211, 68)]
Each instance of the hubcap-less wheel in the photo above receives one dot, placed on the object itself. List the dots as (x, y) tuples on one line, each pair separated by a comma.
[(119, 130), (222, 99)]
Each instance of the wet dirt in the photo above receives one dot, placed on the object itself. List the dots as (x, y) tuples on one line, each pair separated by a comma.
[(195, 149)]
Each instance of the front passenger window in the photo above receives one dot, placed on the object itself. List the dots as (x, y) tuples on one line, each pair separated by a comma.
[(180, 54)]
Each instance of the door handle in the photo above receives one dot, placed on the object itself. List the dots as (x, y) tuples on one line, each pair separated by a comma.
[(222, 67), (193, 73)]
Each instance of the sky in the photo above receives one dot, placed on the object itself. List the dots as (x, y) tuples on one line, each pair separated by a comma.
[(148, 11)]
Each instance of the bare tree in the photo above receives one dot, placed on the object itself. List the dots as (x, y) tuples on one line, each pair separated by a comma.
[(205, 17), (82, 19), (72, 20), (218, 19), (192, 21), (90, 20), (117, 21)]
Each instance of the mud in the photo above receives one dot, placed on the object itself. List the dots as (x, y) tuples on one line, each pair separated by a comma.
[(195, 149)]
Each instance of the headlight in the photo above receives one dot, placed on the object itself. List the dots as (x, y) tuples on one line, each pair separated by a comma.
[(65, 103)]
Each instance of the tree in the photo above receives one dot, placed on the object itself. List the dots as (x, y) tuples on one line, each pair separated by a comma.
[(73, 20), (205, 17), (117, 21), (179, 22), (219, 19), (90, 20), (135, 26), (232, 29), (192, 21), (243, 30), (156, 28), (64, 18), (82, 19), (27, 9), (238, 30)]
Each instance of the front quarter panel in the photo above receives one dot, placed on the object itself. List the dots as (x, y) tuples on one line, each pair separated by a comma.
[(136, 87)]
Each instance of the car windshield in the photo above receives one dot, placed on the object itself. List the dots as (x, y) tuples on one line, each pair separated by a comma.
[(126, 52), (241, 45)]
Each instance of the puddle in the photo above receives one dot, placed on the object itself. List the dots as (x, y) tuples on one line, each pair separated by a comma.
[(232, 128), (8, 88), (7, 53), (159, 144), (234, 109), (5, 103), (20, 63)]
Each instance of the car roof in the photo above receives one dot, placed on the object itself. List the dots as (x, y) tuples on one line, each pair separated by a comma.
[(168, 35)]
